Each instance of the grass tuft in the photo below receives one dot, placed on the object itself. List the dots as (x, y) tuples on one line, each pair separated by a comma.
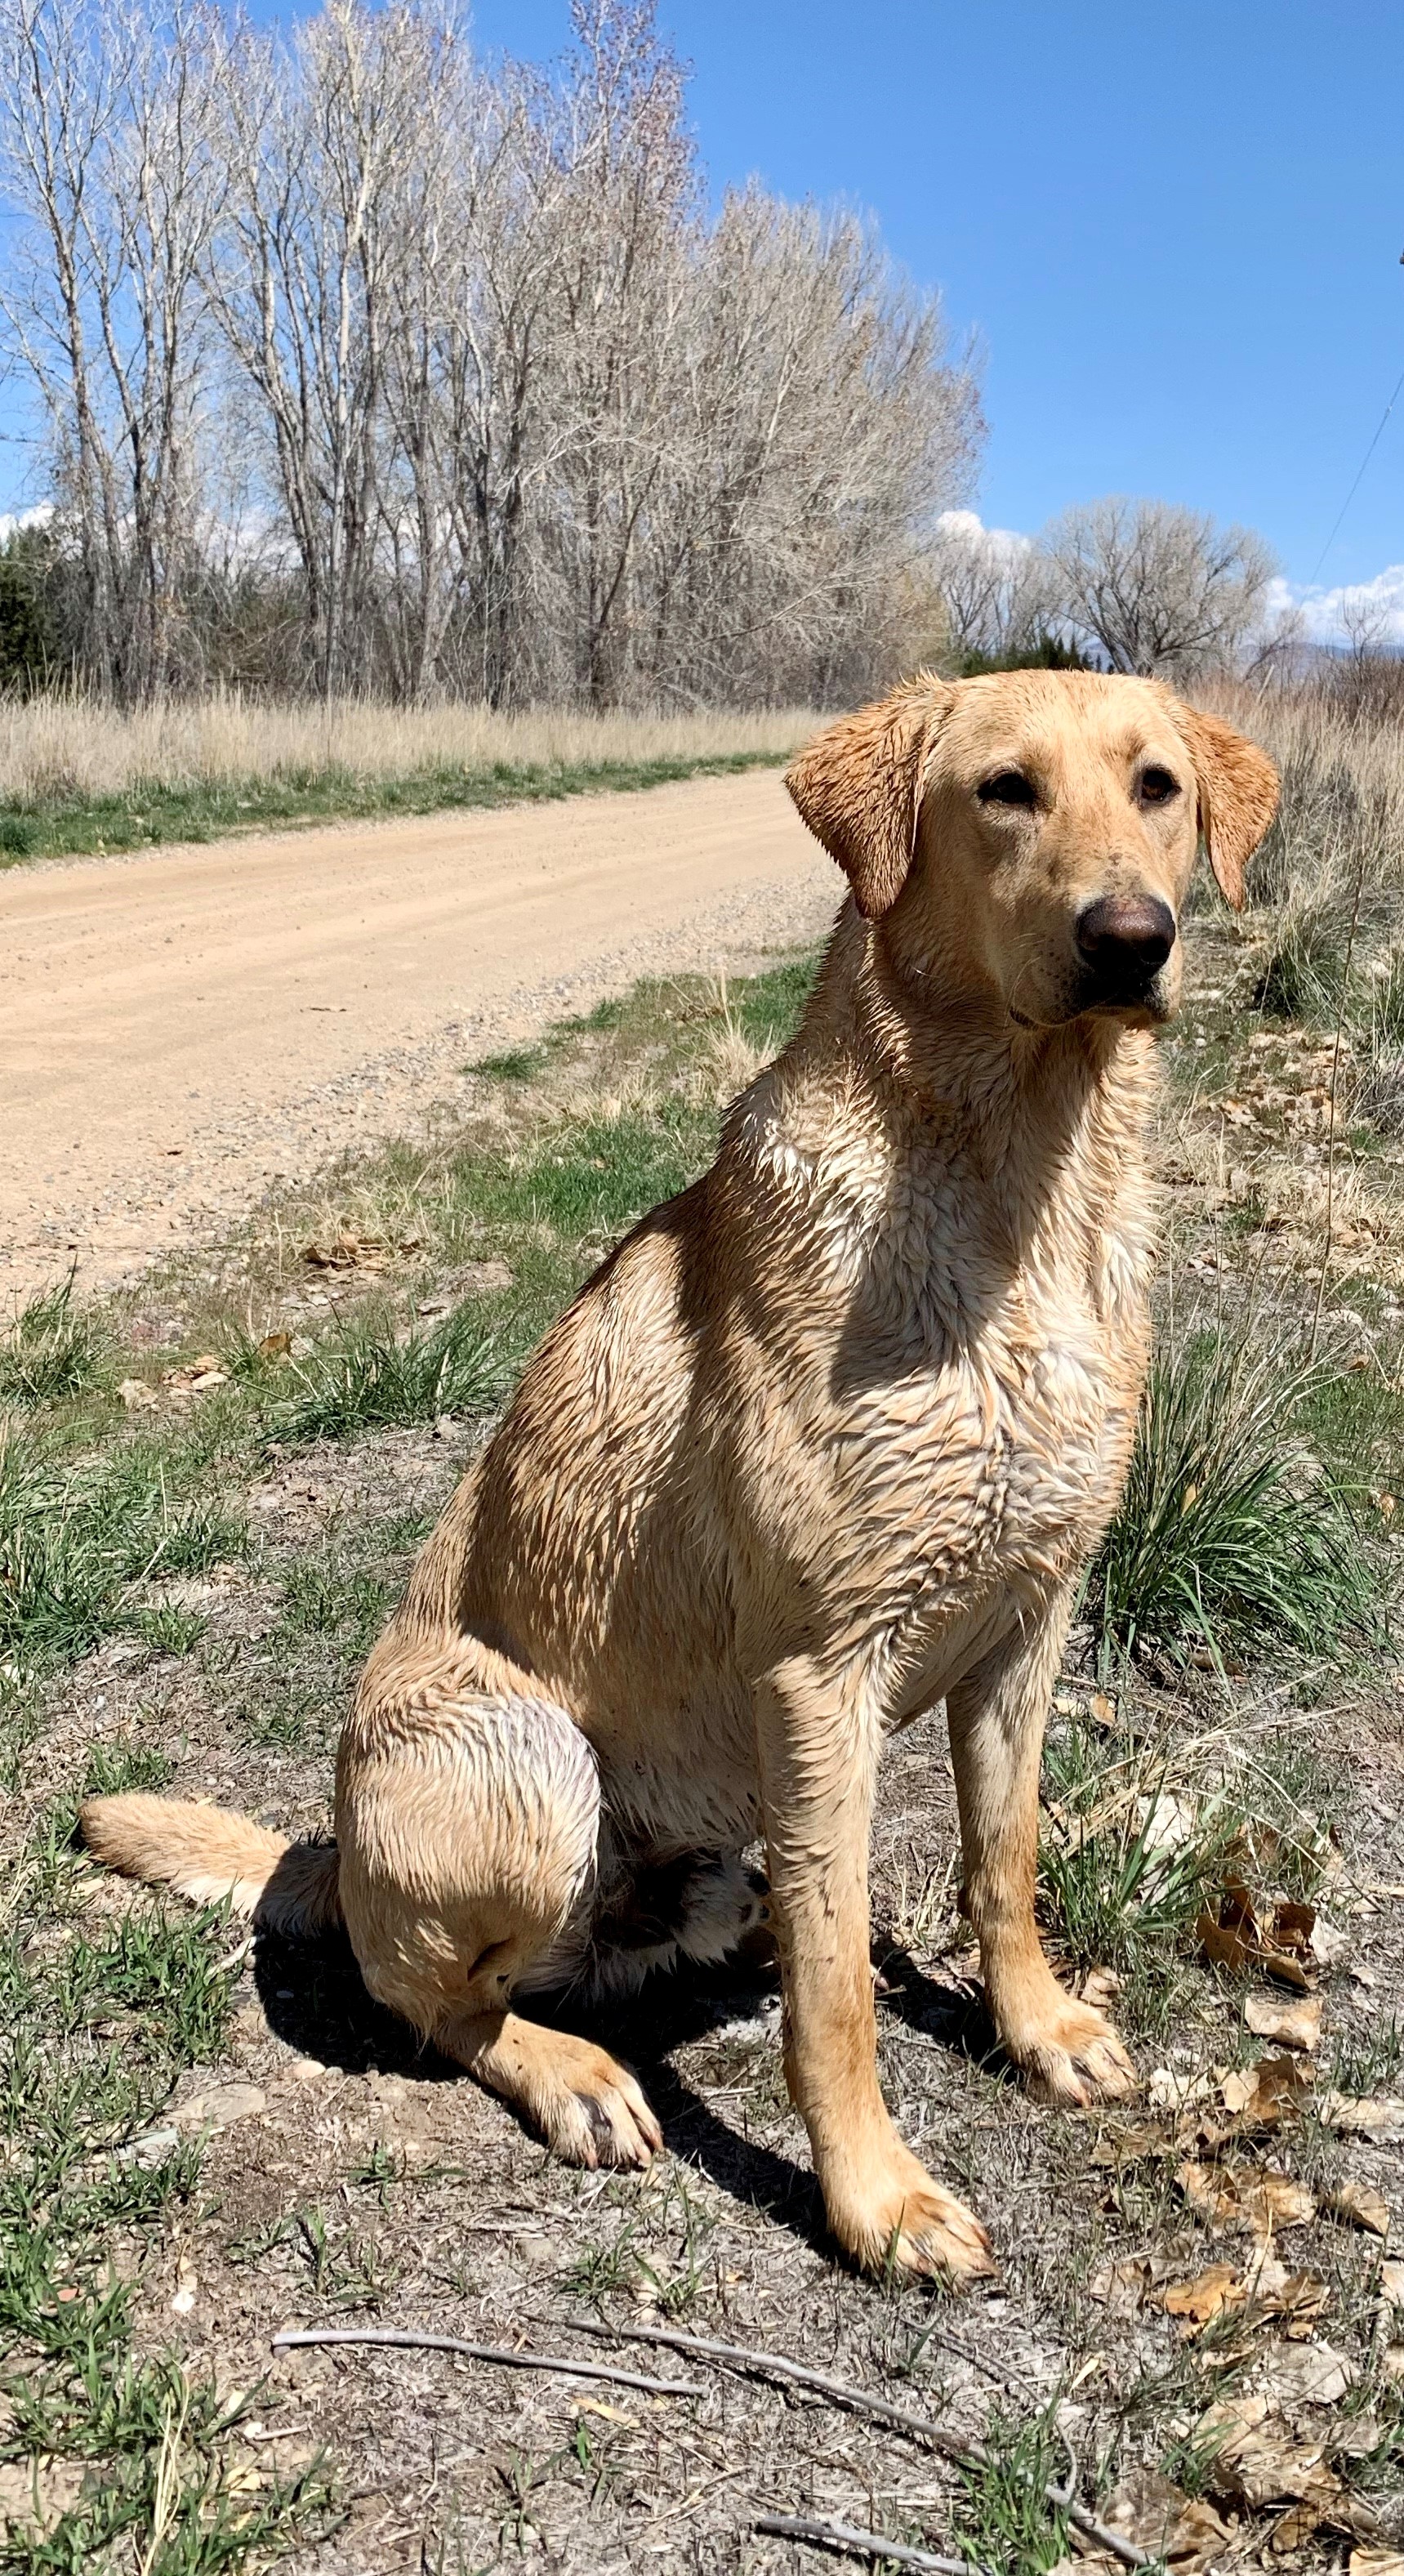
[(77, 1537), (1230, 1534), (52, 1351), (366, 1378), (1004, 2523)]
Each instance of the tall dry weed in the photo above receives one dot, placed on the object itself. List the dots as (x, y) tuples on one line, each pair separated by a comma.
[(68, 746)]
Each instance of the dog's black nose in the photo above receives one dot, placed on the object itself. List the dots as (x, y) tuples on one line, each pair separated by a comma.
[(1126, 937)]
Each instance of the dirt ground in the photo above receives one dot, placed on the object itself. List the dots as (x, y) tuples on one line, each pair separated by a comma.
[(183, 1030), (1199, 2292)]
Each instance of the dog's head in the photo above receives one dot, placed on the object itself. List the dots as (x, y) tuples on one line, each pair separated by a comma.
[(1033, 833)]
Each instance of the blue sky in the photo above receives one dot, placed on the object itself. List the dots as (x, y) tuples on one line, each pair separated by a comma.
[(1175, 229)]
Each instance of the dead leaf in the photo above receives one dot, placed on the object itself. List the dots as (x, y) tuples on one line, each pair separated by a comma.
[(1376, 2562), (1122, 2286), (1290, 2025), (1167, 2089), (347, 1252), (1263, 2200), (1254, 2457), (1290, 2300), (1100, 1986), (196, 1376), (1379, 2116), (1310, 2374), (1262, 2097), (1359, 2205), (1232, 1936), (137, 1396), (1128, 2146), (1331, 1945), (1208, 2295), (1183, 2530)]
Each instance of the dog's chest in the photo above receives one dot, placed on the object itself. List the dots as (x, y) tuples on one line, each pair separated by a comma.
[(991, 1436)]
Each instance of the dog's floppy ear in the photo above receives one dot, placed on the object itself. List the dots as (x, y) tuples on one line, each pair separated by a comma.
[(859, 788), (1237, 795)]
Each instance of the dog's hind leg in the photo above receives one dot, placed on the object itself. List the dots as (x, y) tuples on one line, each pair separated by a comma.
[(468, 1826)]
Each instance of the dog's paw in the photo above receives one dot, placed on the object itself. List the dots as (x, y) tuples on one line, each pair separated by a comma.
[(593, 2111), (899, 2219), (1069, 2053)]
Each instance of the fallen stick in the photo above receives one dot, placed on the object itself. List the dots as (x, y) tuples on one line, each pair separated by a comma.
[(841, 2392), (860, 2544), (414, 2342)]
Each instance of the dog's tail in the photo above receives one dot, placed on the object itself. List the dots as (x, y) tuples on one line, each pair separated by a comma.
[(210, 1854)]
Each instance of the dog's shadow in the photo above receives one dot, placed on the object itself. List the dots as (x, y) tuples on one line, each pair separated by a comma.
[(315, 2001)]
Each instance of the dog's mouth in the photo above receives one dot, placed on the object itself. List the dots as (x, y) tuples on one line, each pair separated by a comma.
[(1140, 1001)]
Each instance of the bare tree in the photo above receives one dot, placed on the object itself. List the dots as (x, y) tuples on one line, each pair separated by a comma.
[(999, 590), (321, 141), (105, 129), (365, 366), (1156, 588)]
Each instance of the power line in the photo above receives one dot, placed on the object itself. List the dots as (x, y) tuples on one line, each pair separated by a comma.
[(1360, 477)]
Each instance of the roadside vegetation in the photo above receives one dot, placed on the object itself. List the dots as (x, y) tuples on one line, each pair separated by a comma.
[(77, 777), (210, 1491)]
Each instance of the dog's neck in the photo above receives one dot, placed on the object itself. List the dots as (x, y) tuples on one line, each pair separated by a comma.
[(953, 1055), (1002, 1111)]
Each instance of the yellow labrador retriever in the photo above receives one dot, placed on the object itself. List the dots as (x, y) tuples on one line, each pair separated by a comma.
[(826, 1441)]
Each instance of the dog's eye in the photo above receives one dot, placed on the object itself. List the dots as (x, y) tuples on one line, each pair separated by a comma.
[(1010, 787), (1158, 787)]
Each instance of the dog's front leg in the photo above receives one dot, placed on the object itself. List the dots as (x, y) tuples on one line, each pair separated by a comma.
[(996, 1714), (817, 1759)]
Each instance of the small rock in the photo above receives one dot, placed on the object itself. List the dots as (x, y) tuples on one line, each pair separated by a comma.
[(218, 2108)]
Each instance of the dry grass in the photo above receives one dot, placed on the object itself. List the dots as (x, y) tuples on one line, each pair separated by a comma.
[(61, 747)]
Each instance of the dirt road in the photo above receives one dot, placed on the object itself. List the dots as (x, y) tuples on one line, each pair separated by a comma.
[(178, 1031)]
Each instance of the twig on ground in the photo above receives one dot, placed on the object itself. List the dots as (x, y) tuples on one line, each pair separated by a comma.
[(860, 2544), (1331, 1129), (968, 2454), (1016, 2385), (411, 2341)]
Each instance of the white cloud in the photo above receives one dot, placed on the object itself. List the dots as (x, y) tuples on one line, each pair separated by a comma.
[(969, 526), (1369, 610), (11, 521)]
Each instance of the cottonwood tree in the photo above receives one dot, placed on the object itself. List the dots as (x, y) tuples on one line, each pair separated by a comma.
[(106, 155), (321, 148), (365, 366), (1159, 589), (999, 590)]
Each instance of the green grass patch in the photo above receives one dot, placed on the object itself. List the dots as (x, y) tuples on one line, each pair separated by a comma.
[(53, 1351), (366, 1378), (78, 1536), (152, 811), (128, 2456), (1004, 2523), (1231, 1534)]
